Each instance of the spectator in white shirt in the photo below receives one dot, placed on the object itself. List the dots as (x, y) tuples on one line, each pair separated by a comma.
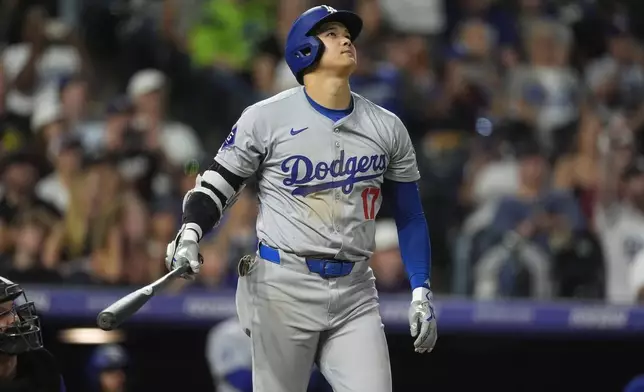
[(32, 67), (620, 225)]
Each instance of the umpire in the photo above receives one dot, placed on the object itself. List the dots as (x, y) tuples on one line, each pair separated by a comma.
[(25, 366)]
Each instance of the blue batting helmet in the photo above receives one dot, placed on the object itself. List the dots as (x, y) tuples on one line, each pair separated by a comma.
[(303, 48)]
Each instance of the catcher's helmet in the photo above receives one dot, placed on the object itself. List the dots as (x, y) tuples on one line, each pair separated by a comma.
[(303, 49), (19, 324)]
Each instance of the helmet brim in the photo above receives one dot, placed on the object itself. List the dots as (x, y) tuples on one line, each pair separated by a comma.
[(350, 20)]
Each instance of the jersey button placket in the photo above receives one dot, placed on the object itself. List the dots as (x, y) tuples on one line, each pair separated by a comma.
[(338, 196)]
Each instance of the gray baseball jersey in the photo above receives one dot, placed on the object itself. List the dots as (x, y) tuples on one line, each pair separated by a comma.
[(319, 181)]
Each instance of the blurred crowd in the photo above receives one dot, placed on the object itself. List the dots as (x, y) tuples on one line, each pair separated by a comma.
[(526, 116)]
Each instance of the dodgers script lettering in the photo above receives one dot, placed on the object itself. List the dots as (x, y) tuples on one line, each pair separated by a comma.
[(301, 172)]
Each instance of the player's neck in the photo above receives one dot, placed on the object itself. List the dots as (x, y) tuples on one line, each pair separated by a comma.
[(331, 93)]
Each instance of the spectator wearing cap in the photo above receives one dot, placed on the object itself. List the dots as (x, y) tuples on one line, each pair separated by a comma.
[(178, 142), (19, 172), (67, 157), (107, 370), (620, 226)]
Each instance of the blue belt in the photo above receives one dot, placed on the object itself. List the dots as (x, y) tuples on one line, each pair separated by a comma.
[(326, 268)]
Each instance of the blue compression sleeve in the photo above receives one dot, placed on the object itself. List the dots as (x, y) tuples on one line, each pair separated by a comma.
[(241, 379), (413, 234)]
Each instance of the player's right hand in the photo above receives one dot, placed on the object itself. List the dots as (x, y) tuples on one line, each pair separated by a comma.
[(184, 250)]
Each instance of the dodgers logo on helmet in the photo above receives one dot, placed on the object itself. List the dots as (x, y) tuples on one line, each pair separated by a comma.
[(329, 9)]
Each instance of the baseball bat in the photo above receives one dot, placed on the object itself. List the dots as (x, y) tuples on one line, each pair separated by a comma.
[(115, 314)]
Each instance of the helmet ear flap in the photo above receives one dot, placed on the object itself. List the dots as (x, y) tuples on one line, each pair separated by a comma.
[(312, 51)]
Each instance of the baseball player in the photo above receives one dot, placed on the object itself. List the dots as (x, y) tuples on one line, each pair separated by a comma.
[(324, 157), (228, 354), (107, 369), (25, 366)]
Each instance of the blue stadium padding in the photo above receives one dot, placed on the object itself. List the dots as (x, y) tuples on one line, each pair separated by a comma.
[(198, 307)]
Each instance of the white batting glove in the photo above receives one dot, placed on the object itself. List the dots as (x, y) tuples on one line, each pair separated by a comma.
[(422, 320), (185, 250)]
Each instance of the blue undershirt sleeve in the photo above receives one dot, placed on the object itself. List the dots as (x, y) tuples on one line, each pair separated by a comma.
[(413, 233)]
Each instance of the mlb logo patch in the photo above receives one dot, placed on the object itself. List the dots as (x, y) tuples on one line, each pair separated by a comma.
[(230, 140)]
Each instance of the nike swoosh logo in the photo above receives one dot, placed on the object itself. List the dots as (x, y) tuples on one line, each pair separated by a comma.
[(295, 132)]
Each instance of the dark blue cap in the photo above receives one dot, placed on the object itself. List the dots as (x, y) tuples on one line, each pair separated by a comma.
[(108, 357)]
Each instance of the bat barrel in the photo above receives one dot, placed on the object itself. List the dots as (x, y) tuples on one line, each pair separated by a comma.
[(106, 321), (115, 314), (122, 309)]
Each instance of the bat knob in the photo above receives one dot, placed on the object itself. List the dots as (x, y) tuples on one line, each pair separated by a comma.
[(106, 321)]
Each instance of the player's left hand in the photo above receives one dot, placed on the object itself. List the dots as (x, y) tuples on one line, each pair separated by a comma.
[(422, 320)]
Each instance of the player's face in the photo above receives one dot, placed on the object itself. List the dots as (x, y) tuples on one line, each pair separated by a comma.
[(6, 315), (339, 52)]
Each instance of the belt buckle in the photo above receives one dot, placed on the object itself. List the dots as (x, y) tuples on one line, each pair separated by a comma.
[(330, 268)]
